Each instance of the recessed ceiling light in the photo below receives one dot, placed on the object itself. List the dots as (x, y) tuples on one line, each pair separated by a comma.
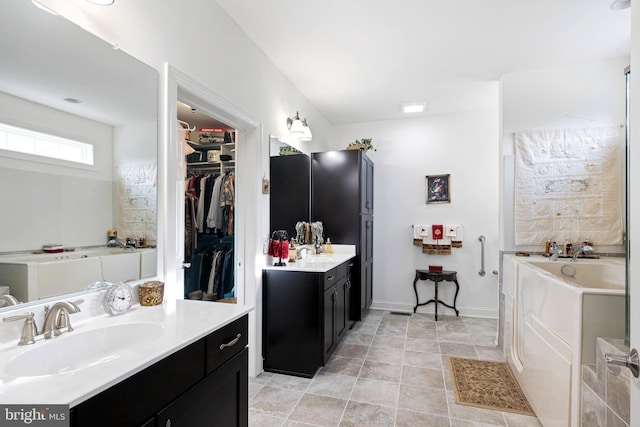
[(101, 2), (73, 100), (413, 107)]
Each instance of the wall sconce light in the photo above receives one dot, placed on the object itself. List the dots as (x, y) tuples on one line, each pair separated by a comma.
[(299, 128), (307, 132)]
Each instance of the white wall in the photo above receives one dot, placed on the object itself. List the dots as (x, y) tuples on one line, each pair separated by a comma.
[(198, 39), (464, 145), (578, 96), (44, 203)]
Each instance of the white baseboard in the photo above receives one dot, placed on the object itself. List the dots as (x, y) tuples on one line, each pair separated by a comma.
[(429, 309)]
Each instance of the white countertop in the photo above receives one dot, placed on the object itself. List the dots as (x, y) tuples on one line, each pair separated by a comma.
[(183, 322), (318, 263)]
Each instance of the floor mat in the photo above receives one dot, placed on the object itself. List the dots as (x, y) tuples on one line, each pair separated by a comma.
[(487, 384)]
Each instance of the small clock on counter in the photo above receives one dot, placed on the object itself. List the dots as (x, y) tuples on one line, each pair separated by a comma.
[(118, 299)]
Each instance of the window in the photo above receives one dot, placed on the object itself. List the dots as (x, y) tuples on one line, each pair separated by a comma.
[(33, 143)]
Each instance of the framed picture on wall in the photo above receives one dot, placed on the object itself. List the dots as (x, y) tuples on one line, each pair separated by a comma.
[(438, 189)]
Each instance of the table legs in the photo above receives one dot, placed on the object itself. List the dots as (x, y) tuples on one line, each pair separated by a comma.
[(435, 299)]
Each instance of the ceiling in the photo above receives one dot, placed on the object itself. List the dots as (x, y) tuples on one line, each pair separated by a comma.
[(358, 60), (46, 58)]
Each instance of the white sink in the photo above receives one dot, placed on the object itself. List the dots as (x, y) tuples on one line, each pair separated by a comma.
[(316, 259), (76, 350)]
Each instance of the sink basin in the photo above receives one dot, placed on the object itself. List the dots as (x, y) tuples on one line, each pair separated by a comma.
[(316, 259), (76, 350)]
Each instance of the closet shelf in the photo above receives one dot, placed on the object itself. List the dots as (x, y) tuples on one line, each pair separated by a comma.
[(205, 164), (207, 145)]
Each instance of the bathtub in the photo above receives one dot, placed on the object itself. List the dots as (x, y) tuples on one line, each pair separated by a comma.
[(552, 319), (38, 276)]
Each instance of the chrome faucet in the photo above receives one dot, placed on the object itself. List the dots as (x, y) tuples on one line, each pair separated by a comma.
[(554, 251), (585, 249), (115, 243), (29, 330), (299, 250), (56, 321), (56, 318), (6, 300)]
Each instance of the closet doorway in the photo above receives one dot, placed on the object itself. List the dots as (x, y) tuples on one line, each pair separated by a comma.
[(177, 86), (209, 147)]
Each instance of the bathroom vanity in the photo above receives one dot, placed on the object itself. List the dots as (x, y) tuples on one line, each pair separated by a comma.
[(305, 312), (179, 363)]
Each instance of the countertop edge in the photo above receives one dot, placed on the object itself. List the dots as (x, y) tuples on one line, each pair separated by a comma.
[(185, 323)]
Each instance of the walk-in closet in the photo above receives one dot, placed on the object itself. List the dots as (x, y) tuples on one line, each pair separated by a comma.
[(209, 181)]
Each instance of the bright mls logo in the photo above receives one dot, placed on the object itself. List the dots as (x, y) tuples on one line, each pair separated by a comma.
[(34, 415)]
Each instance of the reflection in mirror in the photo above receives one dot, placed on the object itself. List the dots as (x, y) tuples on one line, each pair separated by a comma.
[(290, 199), (59, 80)]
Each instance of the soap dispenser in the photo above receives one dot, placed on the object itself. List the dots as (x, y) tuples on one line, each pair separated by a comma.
[(327, 247)]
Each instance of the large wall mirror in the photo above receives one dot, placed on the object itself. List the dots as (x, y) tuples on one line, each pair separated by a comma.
[(290, 199), (57, 79)]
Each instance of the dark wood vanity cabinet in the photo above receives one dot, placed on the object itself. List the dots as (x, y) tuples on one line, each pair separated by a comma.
[(342, 198), (203, 384), (305, 315)]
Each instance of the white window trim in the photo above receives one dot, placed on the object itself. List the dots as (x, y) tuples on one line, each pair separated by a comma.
[(88, 162)]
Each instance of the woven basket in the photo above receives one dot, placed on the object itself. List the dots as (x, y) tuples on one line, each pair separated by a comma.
[(358, 147)]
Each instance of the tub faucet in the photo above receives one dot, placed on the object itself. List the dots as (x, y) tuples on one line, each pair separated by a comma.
[(56, 318), (554, 251), (6, 300), (115, 243), (585, 249)]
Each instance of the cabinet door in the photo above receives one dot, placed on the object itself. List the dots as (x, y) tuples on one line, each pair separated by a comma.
[(366, 238), (221, 399), (341, 305), (366, 186), (329, 334), (366, 284), (344, 303)]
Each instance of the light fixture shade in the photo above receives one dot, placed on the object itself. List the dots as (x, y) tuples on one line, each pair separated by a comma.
[(297, 128), (307, 136), (101, 2)]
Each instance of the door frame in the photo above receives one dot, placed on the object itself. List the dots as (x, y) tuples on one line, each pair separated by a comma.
[(177, 85)]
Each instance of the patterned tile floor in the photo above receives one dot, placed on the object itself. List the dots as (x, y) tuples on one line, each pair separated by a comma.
[(390, 370)]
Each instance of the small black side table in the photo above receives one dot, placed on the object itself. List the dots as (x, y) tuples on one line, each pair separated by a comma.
[(436, 277)]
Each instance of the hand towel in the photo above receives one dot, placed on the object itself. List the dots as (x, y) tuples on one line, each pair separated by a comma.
[(454, 231), (437, 231), (420, 232)]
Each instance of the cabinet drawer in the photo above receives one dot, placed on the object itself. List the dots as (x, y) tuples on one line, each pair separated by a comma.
[(226, 342), (344, 269), (330, 278)]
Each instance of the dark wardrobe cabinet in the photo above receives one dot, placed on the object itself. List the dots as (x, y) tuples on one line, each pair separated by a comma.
[(342, 198)]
